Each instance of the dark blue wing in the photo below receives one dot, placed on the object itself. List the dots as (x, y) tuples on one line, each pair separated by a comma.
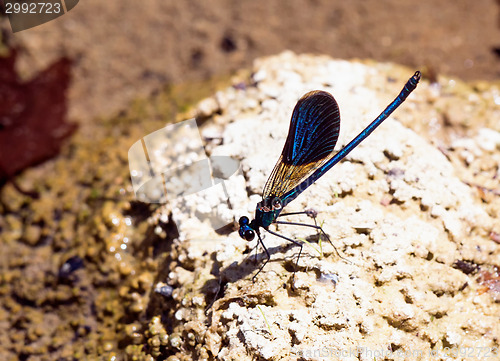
[(314, 130)]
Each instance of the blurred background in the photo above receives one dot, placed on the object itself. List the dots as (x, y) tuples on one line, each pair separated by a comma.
[(78, 91), (121, 50)]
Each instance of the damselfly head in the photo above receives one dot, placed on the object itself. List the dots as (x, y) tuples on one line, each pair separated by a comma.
[(246, 232), (244, 221)]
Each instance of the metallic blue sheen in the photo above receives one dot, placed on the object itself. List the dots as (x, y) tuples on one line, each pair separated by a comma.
[(410, 85), (306, 156)]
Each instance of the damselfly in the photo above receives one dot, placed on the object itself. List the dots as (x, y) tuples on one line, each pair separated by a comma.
[(307, 155)]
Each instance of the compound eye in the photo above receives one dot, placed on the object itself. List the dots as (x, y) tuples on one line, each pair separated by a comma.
[(243, 221), (276, 203), (249, 235)]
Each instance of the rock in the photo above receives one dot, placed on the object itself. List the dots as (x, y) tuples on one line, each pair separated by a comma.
[(397, 209)]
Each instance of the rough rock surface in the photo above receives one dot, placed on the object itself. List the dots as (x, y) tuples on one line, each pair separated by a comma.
[(400, 210), (90, 273)]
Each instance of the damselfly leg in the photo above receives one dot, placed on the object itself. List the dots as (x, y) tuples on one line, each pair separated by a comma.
[(313, 214)]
